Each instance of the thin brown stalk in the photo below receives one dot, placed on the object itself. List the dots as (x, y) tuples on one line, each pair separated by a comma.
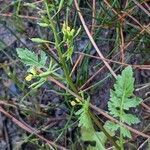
[(93, 16), (143, 67), (91, 78), (76, 64), (122, 44)]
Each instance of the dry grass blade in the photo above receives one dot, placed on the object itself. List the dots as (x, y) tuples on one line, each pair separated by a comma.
[(140, 6), (92, 40)]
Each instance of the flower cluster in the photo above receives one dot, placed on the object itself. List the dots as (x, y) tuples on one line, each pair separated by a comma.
[(31, 75)]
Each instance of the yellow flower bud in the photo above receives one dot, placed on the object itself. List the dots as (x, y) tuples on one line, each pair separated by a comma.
[(68, 28), (72, 32), (79, 101), (29, 77), (33, 71), (73, 103)]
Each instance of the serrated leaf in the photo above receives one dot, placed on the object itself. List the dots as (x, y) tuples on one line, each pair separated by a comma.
[(30, 58), (125, 83), (125, 132), (112, 109), (130, 119), (112, 126), (84, 117), (97, 137), (132, 102), (43, 58), (43, 24), (27, 57), (88, 132), (121, 100)]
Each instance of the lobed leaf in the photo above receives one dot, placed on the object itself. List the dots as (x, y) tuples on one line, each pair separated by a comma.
[(88, 132), (84, 117), (30, 58), (93, 136), (121, 100)]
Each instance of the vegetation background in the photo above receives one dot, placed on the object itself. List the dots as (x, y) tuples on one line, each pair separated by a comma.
[(89, 43)]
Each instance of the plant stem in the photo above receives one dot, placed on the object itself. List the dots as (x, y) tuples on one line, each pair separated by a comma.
[(121, 113), (66, 70), (99, 124), (57, 45)]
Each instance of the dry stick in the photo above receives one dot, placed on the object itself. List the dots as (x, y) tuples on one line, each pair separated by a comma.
[(146, 141), (146, 106), (37, 2), (137, 36), (120, 17), (92, 40), (147, 6), (146, 27), (125, 14), (20, 124), (146, 67)]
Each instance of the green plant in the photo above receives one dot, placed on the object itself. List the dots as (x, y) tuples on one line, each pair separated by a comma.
[(106, 21), (35, 64), (88, 133), (121, 100)]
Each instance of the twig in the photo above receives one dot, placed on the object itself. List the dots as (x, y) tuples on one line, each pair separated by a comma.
[(91, 78), (76, 64), (143, 144)]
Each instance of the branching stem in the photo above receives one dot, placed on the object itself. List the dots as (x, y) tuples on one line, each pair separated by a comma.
[(58, 47)]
